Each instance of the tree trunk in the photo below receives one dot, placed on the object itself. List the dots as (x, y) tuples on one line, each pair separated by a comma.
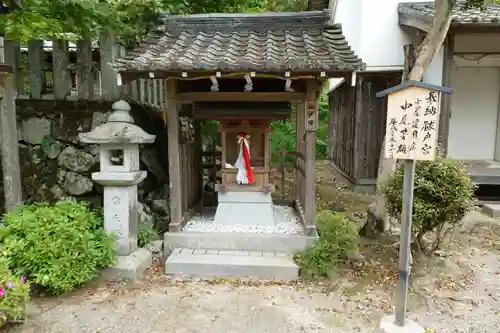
[(416, 63)]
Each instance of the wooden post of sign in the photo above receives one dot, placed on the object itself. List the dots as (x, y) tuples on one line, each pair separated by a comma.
[(412, 127), (405, 241)]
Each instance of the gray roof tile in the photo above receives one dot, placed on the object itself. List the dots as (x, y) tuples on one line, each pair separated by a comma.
[(426, 11), (260, 42)]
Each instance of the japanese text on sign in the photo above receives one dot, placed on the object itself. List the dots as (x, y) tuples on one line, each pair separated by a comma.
[(412, 124)]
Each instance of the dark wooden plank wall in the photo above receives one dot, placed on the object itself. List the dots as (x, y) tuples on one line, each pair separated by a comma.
[(341, 136), (370, 118), (357, 125), (191, 171)]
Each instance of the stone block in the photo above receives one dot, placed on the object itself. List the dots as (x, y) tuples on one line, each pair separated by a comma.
[(34, 130), (120, 216), (129, 267), (244, 208), (388, 326), (237, 241), (492, 209), (187, 262)]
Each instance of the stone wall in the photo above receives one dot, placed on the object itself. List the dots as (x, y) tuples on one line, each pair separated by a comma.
[(54, 165)]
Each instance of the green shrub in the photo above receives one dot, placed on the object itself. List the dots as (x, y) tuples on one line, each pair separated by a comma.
[(145, 235), (14, 294), (442, 196), (57, 246), (338, 237)]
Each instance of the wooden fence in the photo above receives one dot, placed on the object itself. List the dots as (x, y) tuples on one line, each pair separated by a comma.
[(77, 70)]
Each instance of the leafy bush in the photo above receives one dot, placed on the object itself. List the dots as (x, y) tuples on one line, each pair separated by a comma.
[(442, 196), (145, 235), (14, 294), (284, 132), (338, 237), (57, 246)]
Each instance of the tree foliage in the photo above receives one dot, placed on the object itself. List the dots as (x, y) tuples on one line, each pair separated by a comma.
[(130, 19)]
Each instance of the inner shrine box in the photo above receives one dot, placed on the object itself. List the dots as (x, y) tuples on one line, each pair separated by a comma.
[(253, 119)]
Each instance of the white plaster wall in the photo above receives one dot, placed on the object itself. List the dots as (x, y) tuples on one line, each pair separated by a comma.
[(474, 112), (371, 28), (348, 14), (434, 73)]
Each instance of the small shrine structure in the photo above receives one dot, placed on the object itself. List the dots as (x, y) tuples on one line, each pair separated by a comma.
[(244, 70)]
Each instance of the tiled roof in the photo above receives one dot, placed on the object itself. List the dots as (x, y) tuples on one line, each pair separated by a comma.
[(426, 11), (260, 42)]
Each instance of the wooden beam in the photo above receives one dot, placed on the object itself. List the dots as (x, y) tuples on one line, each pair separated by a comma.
[(444, 122), (174, 165), (240, 97)]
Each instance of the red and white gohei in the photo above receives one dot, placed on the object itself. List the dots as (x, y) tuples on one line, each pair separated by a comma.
[(245, 173)]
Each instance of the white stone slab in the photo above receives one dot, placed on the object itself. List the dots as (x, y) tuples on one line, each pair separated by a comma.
[(244, 214), (244, 208), (119, 178)]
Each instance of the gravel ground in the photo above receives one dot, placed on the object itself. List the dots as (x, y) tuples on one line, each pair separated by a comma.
[(459, 293), (287, 222)]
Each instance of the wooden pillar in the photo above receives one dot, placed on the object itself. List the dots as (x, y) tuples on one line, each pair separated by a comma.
[(109, 52), (199, 159), (299, 132), (13, 56), (358, 144), (61, 81), (36, 58), (174, 165), (444, 121), (8, 138), (310, 126), (85, 80)]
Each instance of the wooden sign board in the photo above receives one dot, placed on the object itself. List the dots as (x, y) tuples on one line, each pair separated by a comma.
[(412, 121)]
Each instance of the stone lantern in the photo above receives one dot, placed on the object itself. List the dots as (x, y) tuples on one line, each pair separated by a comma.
[(118, 141)]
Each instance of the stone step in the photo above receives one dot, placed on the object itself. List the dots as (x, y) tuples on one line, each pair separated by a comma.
[(492, 209), (233, 264), (288, 243)]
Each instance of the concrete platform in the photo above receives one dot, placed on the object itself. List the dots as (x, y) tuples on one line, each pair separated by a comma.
[(244, 208), (237, 241), (234, 264), (492, 209)]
